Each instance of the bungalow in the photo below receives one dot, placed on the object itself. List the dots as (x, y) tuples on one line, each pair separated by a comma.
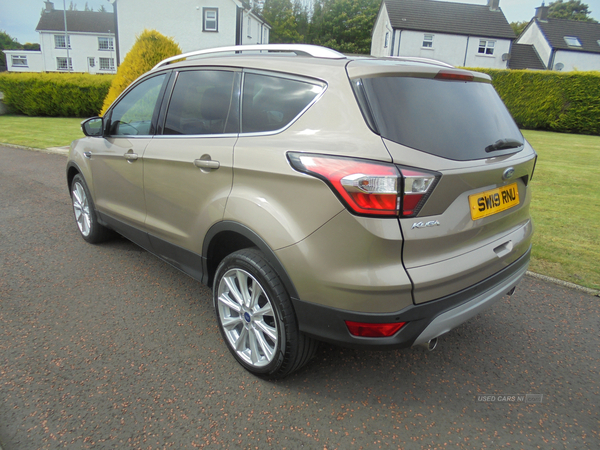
[(456, 33)]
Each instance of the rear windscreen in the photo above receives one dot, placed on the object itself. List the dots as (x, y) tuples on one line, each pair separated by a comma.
[(457, 120)]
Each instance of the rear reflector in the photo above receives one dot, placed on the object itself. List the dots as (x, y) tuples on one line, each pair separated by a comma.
[(373, 329)]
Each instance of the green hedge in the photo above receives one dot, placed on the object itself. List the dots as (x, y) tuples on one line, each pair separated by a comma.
[(55, 94), (564, 102)]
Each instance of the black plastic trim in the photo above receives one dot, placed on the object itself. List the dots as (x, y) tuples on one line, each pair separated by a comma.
[(328, 324)]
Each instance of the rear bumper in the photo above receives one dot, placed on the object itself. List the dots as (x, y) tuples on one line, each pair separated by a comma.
[(424, 321)]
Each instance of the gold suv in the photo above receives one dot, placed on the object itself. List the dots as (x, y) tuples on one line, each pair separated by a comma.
[(360, 201)]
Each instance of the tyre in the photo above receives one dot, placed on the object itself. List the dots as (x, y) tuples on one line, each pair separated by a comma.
[(85, 214), (256, 317)]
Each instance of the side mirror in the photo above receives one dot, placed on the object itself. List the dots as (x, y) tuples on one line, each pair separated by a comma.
[(93, 127)]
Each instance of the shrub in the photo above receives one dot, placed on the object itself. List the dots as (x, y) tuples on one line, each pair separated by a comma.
[(555, 101), (55, 94), (149, 49)]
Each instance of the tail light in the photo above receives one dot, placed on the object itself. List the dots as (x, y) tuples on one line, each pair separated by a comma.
[(373, 329), (369, 188)]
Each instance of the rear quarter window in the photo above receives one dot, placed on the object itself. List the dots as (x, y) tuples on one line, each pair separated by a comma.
[(271, 103)]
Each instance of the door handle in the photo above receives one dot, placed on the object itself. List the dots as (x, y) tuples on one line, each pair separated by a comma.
[(130, 156), (207, 164)]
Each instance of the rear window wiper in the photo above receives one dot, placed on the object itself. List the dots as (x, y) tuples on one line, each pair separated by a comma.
[(503, 144)]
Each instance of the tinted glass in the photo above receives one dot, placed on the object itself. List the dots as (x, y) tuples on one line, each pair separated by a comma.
[(270, 103), (201, 104), (453, 119), (132, 116)]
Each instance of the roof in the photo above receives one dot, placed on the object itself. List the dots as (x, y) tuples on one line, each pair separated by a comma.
[(523, 56), (450, 18), (77, 21), (555, 31)]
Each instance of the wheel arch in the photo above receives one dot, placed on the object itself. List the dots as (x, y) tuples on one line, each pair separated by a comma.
[(227, 237), (72, 170)]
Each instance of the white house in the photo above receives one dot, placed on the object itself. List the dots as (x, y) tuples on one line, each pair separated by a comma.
[(193, 24), (456, 33), (563, 44), (88, 45)]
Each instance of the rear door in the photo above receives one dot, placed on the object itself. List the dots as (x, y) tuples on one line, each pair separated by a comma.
[(188, 167), (475, 219)]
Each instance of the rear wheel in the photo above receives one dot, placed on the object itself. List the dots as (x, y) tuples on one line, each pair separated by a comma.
[(85, 215), (256, 317)]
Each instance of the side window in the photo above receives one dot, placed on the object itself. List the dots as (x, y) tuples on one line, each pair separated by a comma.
[(132, 116), (201, 103), (210, 21), (271, 103)]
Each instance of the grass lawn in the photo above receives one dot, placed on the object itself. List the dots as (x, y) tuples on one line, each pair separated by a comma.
[(566, 193), (566, 207), (39, 132)]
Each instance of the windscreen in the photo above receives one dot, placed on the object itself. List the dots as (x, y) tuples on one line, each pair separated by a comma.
[(458, 120)]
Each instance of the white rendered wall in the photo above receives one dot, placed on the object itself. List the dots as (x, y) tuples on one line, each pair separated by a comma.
[(574, 60)]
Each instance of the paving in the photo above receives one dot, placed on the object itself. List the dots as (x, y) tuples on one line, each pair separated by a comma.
[(108, 347)]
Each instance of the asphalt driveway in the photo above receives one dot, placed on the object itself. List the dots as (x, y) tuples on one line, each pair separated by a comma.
[(108, 347)]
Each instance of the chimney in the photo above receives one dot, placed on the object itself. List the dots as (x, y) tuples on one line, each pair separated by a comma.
[(494, 5), (49, 7), (541, 12)]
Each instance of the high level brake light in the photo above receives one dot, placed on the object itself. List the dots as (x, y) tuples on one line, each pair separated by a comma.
[(369, 188)]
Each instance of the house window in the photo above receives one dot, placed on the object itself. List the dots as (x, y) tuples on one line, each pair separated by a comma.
[(211, 19), (92, 62), (387, 39), (19, 61), (59, 41), (428, 41), (572, 41), (61, 63), (107, 64), (105, 43), (249, 27), (486, 47)]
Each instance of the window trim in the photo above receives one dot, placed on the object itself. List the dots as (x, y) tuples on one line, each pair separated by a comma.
[(68, 64), (205, 20), (488, 50), (22, 58), (427, 39), (110, 44), (67, 41), (111, 64)]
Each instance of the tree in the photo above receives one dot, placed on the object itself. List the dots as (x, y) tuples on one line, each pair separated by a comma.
[(149, 49), (102, 9), (571, 10), (7, 43), (280, 14), (518, 27), (344, 25)]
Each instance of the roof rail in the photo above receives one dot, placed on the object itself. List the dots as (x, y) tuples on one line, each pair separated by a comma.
[(299, 49)]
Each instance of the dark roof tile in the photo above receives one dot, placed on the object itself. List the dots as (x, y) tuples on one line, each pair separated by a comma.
[(77, 21), (523, 56), (451, 18)]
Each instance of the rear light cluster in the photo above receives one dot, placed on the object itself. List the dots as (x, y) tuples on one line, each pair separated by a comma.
[(370, 188)]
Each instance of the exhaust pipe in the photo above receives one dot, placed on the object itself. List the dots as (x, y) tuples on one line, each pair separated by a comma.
[(512, 291), (431, 345)]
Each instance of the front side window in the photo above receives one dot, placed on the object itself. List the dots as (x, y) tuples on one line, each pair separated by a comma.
[(19, 61), (211, 19), (106, 43), (271, 103), (201, 104), (486, 47), (132, 116), (61, 63), (107, 64), (61, 42), (428, 41)]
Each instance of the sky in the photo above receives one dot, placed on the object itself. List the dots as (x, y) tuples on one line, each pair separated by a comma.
[(20, 17)]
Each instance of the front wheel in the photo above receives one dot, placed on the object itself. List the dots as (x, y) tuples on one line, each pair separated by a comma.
[(256, 317), (85, 215)]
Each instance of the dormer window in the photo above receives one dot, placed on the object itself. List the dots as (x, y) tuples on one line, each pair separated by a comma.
[(572, 41)]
